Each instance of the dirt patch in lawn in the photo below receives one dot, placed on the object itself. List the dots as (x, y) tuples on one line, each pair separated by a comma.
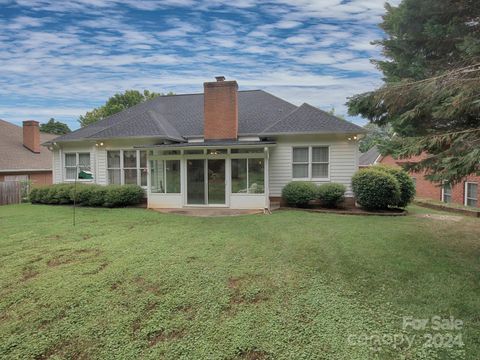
[(161, 335), (97, 270), (73, 256), (29, 273), (145, 285), (237, 297), (440, 217), (252, 355)]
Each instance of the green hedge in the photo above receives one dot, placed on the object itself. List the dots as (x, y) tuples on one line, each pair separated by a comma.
[(331, 194), (88, 195), (375, 189), (407, 187), (299, 193)]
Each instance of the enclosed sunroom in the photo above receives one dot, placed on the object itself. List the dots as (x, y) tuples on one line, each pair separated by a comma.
[(223, 174)]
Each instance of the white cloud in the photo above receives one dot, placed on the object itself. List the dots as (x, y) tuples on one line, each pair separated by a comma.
[(302, 50)]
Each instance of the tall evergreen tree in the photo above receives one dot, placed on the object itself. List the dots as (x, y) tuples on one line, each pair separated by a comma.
[(431, 95), (54, 127)]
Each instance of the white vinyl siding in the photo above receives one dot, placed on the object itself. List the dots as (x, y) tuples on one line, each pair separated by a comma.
[(342, 165), (101, 178), (57, 166)]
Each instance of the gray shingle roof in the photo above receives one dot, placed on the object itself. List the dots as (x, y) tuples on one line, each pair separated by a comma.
[(309, 119), (176, 117), (369, 157)]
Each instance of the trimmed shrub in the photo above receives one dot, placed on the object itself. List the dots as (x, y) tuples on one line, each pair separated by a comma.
[(34, 195), (299, 193), (60, 194), (375, 189), (54, 194), (331, 194), (88, 195), (407, 187), (123, 195)]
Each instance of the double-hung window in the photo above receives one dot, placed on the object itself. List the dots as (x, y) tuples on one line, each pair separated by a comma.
[(447, 192), (310, 162), (471, 194), (127, 167), (75, 163)]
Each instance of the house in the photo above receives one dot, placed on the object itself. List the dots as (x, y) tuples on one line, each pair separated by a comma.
[(219, 148), (466, 192), (369, 157), (21, 155)]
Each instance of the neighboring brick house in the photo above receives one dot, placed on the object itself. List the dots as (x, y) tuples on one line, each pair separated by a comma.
[(466, 192), (21, 155)]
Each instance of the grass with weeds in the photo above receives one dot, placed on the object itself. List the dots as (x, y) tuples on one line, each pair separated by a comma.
[(133, 283)]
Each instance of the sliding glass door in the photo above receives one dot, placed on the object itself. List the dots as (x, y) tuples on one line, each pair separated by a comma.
[(196, 182), (206, 182), (216, 181)]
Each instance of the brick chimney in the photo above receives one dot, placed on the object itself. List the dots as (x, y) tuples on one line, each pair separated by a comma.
[(31, 136), (220, 109)]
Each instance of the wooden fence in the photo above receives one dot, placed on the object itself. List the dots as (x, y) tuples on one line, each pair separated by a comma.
[(10, 192)]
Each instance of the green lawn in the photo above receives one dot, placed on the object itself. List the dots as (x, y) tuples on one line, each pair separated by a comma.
[(133, 283)]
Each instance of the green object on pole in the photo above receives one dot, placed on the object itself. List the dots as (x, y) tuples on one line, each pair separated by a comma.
[(84, 174)]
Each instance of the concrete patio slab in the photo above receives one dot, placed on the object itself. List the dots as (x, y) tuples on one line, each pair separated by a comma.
[(209, 212)]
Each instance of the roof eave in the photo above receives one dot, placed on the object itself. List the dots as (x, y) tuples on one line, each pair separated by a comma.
[(114, 138), (312, 133)]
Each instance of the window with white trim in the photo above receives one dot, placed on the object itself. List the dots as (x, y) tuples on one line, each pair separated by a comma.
[(75, 163), (310, 162), (447, 192), (248, 176), (165, 176), (471, 194), (127, 167)]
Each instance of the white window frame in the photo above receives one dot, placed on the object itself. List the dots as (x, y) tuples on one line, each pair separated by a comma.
[(311, 162), (122, 168), (466, 198), (248, 174), (77, 165), (443, 192), (164, 192)]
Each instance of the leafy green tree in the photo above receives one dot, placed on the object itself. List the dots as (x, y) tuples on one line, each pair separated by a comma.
[(117, 103), (54, 127), (431, 95), (375, 135)]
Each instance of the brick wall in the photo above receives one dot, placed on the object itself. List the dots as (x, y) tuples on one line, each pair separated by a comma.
[(429, 190), (37, 178)]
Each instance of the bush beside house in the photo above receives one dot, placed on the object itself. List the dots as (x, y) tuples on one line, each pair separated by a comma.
[(382, 187), (301, 193), (331, 194), (407, 187), (88, 195)]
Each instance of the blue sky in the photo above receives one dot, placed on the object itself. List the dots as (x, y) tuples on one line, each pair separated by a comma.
[(62, 58)]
